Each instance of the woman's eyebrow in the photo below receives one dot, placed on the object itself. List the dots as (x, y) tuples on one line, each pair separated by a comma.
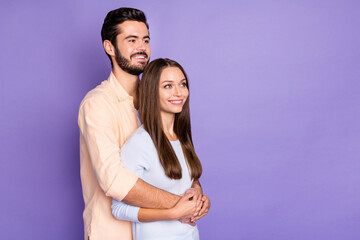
[(173, 80)]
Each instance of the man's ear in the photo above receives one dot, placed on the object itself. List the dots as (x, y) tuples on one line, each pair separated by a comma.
[(109, 48)]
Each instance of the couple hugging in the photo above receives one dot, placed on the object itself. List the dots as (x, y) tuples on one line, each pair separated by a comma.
[(139, 170)]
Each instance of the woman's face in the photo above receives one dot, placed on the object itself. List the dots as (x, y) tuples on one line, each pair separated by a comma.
[(172, 90)]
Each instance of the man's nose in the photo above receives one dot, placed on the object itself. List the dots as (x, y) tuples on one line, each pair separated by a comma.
[(141, 46)]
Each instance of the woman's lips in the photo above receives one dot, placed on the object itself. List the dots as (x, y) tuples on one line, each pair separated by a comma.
[(176, 102)]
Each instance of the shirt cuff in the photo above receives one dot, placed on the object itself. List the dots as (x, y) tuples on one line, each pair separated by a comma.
[(133, 213), (123, 183)]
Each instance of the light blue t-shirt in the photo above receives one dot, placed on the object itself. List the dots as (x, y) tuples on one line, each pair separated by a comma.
[(139, 156)]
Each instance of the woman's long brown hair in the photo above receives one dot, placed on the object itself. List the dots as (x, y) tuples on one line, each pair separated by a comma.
[(150, 115)]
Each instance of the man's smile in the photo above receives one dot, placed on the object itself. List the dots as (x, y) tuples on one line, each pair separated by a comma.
[(142, 56)]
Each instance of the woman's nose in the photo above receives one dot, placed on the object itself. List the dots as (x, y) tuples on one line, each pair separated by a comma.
[(177, 91)]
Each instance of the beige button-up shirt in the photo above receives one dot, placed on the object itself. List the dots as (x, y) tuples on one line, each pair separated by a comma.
[(107, 118)]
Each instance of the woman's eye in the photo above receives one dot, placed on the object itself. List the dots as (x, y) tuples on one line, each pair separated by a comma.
[(183, 84), (167, 86)]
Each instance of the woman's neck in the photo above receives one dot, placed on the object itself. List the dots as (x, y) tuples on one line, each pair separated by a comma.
[(168, 120)]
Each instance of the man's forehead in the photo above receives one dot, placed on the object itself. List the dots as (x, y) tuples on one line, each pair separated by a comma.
[(133, 28)]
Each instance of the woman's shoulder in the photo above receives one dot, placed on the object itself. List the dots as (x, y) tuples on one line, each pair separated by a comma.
[(139, 139), (140, 135), (138, 150)]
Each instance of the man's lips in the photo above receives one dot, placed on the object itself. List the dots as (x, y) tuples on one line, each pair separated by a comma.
[(139, 56)]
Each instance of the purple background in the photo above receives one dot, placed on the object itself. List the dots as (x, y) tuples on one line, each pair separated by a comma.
[(275, 112)]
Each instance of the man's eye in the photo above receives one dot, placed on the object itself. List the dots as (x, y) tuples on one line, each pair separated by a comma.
[(146, 41), (132, 40)]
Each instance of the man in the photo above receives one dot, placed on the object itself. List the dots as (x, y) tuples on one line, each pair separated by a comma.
[(107, 117)]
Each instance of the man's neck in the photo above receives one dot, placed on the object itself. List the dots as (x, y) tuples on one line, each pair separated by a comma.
[(128, 81)]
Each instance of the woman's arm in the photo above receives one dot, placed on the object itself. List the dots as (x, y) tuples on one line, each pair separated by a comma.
[(123, 211), (186, 207)]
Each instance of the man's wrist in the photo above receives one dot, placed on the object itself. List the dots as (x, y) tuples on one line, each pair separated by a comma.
[(197, 186), (175, 200)]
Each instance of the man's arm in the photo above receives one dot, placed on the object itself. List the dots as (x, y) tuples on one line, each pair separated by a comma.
[(147, 196), (196, 185), (184, 208), (98, 125)]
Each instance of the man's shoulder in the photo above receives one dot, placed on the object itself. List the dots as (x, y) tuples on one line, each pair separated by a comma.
[(100, 94)]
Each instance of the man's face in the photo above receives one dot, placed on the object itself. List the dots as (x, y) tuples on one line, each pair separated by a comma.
[(133, 47)]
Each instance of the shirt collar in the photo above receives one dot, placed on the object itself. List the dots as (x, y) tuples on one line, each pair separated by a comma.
[(120, 92)]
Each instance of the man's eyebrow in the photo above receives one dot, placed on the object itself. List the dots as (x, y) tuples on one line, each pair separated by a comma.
[(131, 36), (134, 36)]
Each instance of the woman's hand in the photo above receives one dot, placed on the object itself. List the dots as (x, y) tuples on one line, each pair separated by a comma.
[(197, 197), (186, 207), (205, 202)]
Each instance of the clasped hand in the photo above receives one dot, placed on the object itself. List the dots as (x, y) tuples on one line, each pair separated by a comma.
[(193, 206)]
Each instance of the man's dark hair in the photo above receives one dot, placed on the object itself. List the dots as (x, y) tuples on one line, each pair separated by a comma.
[(110, 27)]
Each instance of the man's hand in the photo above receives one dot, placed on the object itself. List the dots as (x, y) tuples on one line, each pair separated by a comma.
[(204, 209), (198, 198), (187, 221), (203, 206)]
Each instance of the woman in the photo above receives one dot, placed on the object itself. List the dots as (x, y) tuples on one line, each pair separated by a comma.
[(161, 153)]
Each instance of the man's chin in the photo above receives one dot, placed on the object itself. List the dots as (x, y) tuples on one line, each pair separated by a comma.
[(134, 71), (140, 64)]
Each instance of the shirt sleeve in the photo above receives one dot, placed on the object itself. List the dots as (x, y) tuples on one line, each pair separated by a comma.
[(98, 126), (123, 211)]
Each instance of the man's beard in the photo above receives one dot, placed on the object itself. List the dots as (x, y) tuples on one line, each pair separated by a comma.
[(125, 64)]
